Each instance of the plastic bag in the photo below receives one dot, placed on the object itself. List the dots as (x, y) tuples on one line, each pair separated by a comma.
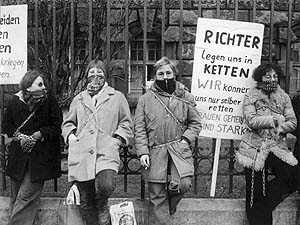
[(68, 212), (122, 214)]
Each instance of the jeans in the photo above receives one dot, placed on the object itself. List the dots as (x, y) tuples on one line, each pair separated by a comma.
[(277, 190), (25, 200), (164, 197), (94, 196)]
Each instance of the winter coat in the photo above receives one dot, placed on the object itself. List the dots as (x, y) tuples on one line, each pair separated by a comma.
[(43, 161), (158, 134), (260, 139), (95, 125)]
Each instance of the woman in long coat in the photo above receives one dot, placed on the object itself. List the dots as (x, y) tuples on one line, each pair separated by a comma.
[(269, 116), (97, 123), (166, 124), (34, 148)]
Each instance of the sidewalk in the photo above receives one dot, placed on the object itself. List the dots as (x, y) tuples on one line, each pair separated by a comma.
[(190, 211)]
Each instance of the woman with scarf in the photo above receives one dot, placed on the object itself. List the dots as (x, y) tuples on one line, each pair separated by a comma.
[(32, 129), (97, 124), (166, 125), (269, 116)]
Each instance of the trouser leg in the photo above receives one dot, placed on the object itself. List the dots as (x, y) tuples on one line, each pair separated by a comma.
[(159, 212), (276, 190), (257, 214), (177, 187), (15, 186), (88, 209), (26, 201), (105, 184)]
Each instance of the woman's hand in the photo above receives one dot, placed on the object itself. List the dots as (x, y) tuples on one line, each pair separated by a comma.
[(37, 135), (145, 161)]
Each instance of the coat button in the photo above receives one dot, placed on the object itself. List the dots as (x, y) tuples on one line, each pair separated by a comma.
[(91, 151), (91, 131)]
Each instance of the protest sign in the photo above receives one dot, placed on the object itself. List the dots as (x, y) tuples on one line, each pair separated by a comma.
[(13, 43), (226, 53)]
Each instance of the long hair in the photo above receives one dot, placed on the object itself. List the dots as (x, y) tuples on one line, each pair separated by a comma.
[(28, 79), (98, 64)]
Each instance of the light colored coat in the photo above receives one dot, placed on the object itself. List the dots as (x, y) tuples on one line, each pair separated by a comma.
[(260, 138), (158, 135), (95, 148)]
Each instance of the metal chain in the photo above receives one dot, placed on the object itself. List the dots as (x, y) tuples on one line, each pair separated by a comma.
[(252, 188), (264, 181)]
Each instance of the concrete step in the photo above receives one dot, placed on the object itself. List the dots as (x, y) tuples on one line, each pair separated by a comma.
[(200, 211)]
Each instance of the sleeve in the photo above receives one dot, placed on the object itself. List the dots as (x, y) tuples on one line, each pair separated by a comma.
[(53, 130), (140, 132), (252, 119), (124, 129), (296, 107), (193, 121), (290, 123), (70, 122), (8, 124)]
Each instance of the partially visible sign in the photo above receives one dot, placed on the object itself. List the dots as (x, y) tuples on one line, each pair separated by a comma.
[(226, 53), (13, 43)]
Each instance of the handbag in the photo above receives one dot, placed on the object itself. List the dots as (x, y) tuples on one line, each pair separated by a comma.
[(122, 214), (68, 211)]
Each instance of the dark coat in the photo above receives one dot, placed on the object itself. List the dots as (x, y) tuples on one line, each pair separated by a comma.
[(44, 160)]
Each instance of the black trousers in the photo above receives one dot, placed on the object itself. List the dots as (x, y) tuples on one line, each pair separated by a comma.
[(277, 189)]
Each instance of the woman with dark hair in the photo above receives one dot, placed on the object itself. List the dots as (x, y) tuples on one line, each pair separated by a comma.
[(269, 116), (97, 124), (166, 125), (31, 124)]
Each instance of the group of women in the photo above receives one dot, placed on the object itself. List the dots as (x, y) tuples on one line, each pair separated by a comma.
[(99, 122)]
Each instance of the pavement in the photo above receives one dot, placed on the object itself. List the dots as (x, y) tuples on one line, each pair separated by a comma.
[(190, 211)]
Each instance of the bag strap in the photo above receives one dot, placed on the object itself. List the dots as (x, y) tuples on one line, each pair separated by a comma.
[(168, 110), (25, 121)]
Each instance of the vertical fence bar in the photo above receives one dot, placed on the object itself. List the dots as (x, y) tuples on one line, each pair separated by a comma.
[(3, 161), (53, 75), (36, 31), (196, 141), (236, 9), (126, 43), (218, 9), (231, 150), (199, 8), (163, 26), (180, 41), (54, 46), (108, 37), (271, 29), (288, 48), (144, 44), (72, 48), (90, 37), (254, 12)]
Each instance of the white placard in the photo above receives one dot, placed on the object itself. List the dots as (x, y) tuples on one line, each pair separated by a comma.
[(13, 43), (226, 53)]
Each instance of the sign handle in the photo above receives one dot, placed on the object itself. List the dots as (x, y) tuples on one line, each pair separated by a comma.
[(215, 167)]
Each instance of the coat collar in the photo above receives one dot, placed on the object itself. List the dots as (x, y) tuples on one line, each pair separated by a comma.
[(258, 94), (100, 99), (179, 90)]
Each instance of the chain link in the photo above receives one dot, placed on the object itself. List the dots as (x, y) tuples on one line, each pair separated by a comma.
[(252, 188)]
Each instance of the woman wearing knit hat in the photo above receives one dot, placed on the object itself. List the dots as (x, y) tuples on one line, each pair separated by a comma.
[(97, 124)]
